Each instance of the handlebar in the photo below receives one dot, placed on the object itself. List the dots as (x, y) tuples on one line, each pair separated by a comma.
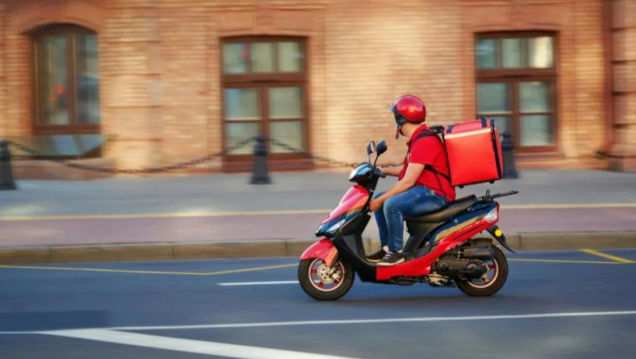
[(378, 173)]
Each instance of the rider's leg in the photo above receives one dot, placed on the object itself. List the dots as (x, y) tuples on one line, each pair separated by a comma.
[(416, 201), (380, 219)]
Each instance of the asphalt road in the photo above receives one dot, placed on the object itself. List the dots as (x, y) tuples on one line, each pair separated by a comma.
[(554, 305)]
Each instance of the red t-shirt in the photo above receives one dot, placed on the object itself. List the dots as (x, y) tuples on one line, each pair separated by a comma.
[(429, 151)]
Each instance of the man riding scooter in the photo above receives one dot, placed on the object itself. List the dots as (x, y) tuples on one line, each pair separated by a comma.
[(423, 185)]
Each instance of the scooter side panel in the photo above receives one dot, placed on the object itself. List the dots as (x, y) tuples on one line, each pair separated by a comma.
[(350, 248), (323, 249), (441, 229), (422, 266)]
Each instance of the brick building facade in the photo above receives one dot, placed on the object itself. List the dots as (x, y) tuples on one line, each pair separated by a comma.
[(173, 80)]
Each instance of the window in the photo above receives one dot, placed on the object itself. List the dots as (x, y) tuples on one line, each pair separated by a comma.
[(516, 85), (66, 81), (264, 92)]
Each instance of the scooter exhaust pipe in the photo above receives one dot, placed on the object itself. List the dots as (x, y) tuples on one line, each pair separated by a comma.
[(482, 253)]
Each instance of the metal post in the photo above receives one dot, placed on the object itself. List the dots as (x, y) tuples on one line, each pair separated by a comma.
[(507, 147), (7, 182), (260, 173)]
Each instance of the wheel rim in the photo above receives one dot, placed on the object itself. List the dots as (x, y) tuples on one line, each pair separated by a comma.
[(325, 279), (484, 281)]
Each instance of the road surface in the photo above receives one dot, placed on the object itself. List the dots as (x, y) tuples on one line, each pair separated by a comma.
[(554, 305)]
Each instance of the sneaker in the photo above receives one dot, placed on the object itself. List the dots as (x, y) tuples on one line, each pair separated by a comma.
[(392, 258), (377, 256)]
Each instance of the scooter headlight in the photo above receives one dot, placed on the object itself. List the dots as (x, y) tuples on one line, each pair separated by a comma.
[(353, 173), (492, 216), (336, 226)]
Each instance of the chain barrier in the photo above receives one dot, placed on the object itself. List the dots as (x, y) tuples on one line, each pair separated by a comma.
[(318, 158), (325, 159), (146, 170), (192, 162)]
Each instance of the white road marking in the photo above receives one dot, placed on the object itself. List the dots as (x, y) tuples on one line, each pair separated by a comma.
[(360, 321), (376, 321), (260, 283), (186, 345)]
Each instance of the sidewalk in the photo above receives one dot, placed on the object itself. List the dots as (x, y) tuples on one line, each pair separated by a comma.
[(225, 208), (289, 191)]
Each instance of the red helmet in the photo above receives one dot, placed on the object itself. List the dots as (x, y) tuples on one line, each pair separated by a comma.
[(408, 109)]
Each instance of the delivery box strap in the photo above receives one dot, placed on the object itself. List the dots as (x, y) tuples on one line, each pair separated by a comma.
[(430, 167)]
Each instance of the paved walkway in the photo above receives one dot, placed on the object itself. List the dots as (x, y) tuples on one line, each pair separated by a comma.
[(226, 207), (281, 226)]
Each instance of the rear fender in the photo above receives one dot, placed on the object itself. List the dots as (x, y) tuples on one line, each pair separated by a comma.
[(500, 237), (323, 249)]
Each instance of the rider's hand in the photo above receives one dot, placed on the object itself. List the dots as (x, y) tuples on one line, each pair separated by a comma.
[(374, 205)]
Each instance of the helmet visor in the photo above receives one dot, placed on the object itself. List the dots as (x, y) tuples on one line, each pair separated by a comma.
[(399, 119)]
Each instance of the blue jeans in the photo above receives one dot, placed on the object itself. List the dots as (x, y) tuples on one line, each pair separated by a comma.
[(390, 218)]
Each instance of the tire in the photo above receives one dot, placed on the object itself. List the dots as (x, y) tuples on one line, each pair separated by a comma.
[(313, 290), (488, 289)]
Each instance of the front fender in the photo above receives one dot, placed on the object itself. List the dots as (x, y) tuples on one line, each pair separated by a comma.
[(323, 249)]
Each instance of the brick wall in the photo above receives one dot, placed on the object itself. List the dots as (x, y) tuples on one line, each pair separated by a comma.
[(590, 77), (624, 98), (160, 80), (379, 52), (3, 119)]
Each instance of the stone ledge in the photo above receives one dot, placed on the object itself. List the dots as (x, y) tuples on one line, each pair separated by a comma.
[(278, 248)]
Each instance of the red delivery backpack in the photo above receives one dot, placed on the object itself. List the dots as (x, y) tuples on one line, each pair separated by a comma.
[(473, 150)]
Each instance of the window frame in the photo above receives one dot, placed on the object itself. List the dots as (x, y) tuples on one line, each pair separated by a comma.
[(262, 82), (73, 127), (513, 77)]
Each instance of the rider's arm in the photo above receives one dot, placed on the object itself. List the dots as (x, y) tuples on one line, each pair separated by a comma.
[(412, 174), (419, 158), (392, 171)]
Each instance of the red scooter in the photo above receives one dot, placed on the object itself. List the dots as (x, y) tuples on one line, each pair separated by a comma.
[(441, 249)]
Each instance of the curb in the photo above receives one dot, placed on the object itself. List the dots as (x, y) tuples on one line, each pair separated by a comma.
[(278, 248)]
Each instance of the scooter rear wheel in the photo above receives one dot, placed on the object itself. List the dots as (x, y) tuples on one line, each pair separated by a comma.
[(492, 285), (321, 283)]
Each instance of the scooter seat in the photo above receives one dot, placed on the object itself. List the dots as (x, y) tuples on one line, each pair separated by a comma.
[(441, 215)]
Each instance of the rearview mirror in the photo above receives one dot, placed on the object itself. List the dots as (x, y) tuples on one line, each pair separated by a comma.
[(381, 147), (370, 147)]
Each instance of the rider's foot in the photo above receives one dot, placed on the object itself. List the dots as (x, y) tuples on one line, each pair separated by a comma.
[(392, 258), (377, 256)]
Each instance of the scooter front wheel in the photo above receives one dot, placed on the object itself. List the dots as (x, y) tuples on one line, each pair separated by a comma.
[(322, 283)]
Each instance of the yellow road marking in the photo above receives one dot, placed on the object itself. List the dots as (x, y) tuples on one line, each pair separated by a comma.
[(274, 213), (558, 261), (254, 269), (608, 256), (231, 271)]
